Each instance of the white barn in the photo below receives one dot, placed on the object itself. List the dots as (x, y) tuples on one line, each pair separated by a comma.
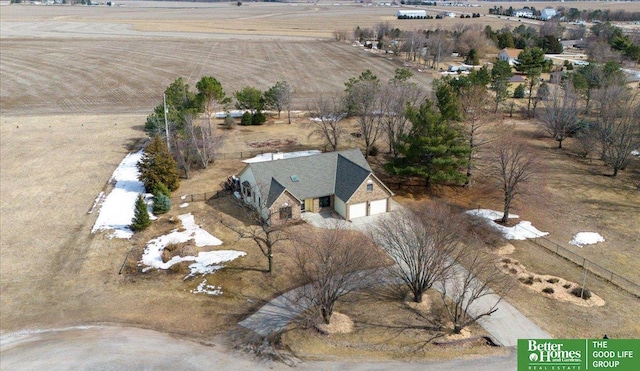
[(412, 14)]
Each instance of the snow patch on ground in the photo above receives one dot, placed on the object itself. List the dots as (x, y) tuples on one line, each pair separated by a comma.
[(118, 207), (635, 153), (204, 263), (586, 238), (97, 202), (520, 231), (232, 113), (280, 155), (207, 289), (184, 204)]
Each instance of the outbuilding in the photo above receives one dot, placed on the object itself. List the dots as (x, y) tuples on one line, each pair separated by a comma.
[(412, 14)]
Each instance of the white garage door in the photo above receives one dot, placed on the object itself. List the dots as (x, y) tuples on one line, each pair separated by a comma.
[(357, 210), (378, 207)]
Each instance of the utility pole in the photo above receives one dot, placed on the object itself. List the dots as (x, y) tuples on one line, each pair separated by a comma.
[(166, 123)]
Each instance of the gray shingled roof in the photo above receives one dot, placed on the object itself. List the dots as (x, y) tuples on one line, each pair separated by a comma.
[(324, 174), (275, 190)]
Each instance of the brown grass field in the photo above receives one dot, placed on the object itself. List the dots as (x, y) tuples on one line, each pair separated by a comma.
[(76, 84)]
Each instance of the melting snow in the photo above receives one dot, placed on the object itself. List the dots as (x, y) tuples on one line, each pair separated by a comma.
[(521, 231), (280, 155), (586, 238), (184, 204), (205, 262), (118, 207), (207, 289)]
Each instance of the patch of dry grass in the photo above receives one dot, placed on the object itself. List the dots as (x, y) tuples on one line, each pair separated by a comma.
[(386, 327), (566, 320)]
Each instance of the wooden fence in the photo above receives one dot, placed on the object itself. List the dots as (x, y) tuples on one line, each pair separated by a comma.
[(617, 280), (201, 197)]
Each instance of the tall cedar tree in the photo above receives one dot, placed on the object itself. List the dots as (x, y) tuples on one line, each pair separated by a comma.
[(158, 166), (140, 219), (434, 149), (531, 62), (500, 75)]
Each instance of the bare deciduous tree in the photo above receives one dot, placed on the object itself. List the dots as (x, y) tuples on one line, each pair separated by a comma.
[(420, 243), (263, 232), (475, 104), (438, 44), (326, 121), (412, 44), (560, 116), (463, 288), (513, 165), (332, 262), (202, 140), (395, 97), (617, 125), (362, 98), (474, 37)]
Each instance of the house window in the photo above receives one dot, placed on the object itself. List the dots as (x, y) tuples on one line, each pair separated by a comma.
[(370, 187), (285, 213), (325, 201)]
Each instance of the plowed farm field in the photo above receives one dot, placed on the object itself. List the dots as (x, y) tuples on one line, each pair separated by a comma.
[(76, 83)]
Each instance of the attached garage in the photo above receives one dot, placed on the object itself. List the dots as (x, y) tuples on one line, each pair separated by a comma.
[(378, 207), (357, 210)]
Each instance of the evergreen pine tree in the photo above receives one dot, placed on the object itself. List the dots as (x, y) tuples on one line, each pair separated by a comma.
[(140, 219), (434, 149), (162, 189), (158, 166), (161, 203)]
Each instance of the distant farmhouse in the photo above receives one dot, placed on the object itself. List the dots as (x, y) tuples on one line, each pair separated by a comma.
[(509, 54), (341, 182)]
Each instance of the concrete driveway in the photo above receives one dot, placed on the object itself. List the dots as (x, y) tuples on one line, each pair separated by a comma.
[(321, 220)]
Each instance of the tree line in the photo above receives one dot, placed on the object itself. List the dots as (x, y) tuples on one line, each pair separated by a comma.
[(432, 46)]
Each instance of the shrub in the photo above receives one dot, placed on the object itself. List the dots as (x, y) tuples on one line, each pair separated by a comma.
[(506, 260), (258, 118), (180, 268), (513, 271), (373, 151), (140, 219), (161, 204), (580, 292), (526, 280), (552, 280), (161, 189), (519, 91), (548, 290), (246, 119), (229, 122), (166, 255), (567, 285)]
